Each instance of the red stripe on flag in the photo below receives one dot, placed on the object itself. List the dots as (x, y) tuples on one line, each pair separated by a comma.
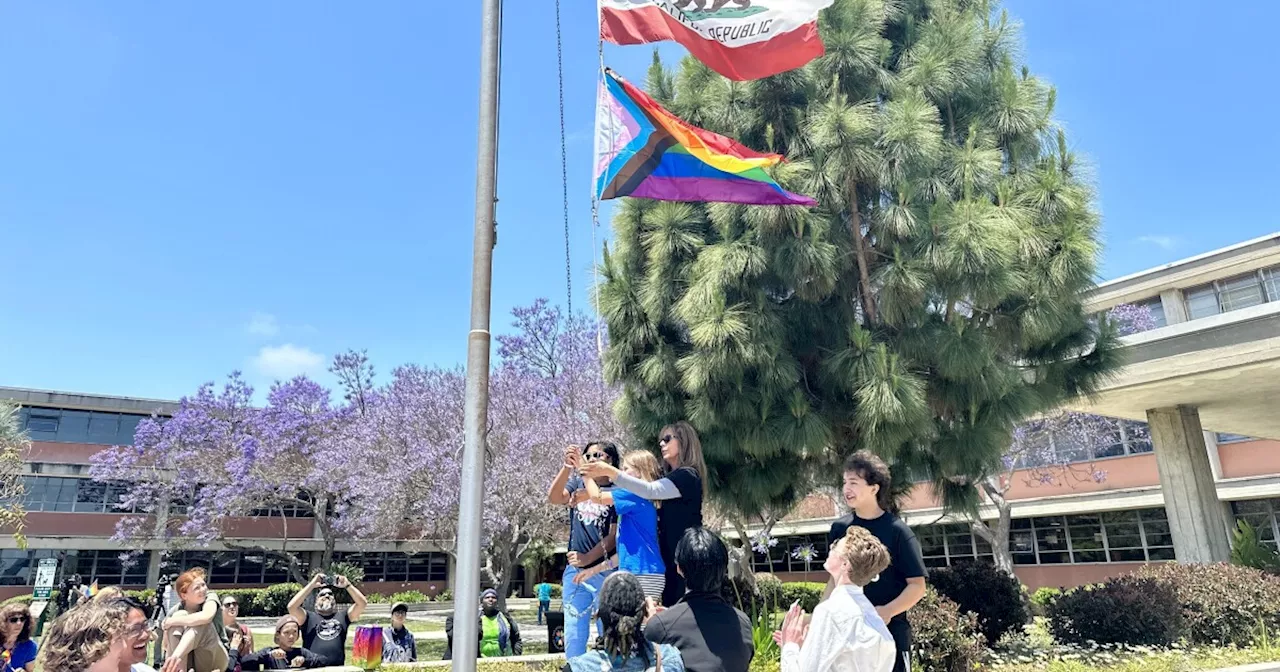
[(649, 23)]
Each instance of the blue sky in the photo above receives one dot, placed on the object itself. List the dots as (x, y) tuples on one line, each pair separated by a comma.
[(187, 189)]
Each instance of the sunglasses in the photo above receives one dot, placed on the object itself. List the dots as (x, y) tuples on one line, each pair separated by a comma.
[(666, 438), (594, 455), (17, 619), (231, 605)]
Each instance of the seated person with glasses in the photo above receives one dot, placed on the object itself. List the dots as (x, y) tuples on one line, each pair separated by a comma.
[(230, 614)]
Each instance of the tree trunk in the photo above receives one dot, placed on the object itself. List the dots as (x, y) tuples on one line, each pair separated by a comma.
[(326, 534), (997, 536), (861, 254)]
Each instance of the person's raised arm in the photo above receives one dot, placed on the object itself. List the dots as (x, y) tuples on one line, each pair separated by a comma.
[(595, 494), (205, 616), (557, 494), (358, 601), (300, 598)]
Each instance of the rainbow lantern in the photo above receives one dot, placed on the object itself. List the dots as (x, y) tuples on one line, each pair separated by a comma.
[(366, 651)]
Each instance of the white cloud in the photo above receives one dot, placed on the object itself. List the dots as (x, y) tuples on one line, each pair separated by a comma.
[(1162, 242), (286, 361), (263, 324)]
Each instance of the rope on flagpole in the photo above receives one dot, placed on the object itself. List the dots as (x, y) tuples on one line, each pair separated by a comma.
[(595, 206), (560, 72)]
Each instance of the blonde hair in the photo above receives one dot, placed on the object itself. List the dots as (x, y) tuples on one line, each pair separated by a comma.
[(644, 463), (867, 557), (83, 636), (109, 593)]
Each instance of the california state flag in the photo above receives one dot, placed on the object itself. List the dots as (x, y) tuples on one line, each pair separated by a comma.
[(740, 39)]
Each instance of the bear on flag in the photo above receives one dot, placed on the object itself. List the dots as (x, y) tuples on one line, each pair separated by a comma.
[(740, 39)]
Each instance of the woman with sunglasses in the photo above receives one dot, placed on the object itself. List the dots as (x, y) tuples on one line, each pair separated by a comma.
[(230, 614), (19, 652), (681, 490), (592, 537)]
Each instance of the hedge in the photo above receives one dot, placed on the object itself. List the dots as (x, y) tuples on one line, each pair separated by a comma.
[(944, 639), (990, 593), (1126, 610), (1221, 603)]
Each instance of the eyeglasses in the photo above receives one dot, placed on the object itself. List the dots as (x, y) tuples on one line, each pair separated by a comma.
[(17, 619), (324, 594), (666, 438), (230, 605), (594, 455)]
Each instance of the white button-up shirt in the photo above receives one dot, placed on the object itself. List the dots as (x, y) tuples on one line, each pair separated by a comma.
[(845, 635)]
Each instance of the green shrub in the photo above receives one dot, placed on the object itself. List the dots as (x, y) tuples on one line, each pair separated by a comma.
[(16, 599), (979, 587), (1247, 549), (250, 600), (1043, 597), (806, 593), (1220, 602), (556, 591), (741, 593), (376, 598), (409, 596), (1125, 610), (274, 601), (944, 639), (770, 590)]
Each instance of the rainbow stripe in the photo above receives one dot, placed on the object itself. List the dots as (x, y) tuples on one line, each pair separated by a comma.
[(644, 151), (366, 650)]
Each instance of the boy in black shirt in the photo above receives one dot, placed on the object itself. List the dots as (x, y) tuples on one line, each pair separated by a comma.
[(901, 585)]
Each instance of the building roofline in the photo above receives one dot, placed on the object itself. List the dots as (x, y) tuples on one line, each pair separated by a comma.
[(89, 402), (1115, 283)]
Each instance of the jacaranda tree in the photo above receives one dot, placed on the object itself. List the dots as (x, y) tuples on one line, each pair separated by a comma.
[(927, 304)]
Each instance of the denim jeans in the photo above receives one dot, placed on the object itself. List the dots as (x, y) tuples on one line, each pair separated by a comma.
[(580, 602), (544, 606)]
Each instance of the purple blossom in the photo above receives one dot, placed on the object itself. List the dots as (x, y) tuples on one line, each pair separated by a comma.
[(762, 541), (1131, 318)]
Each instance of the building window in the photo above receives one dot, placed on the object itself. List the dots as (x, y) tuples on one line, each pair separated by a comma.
[(1242, 291), (1263, 515), (108, 567), (1119, 536), (71, 426), (79, 495), (1117, 439), (1156, 308), (399, 567), (230, 567), (781, 556), (1224, 437)]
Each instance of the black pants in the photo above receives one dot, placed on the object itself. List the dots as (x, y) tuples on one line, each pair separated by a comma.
[(901, 631)]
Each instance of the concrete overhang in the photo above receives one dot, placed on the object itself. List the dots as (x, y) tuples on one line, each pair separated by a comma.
[(1226, 365)]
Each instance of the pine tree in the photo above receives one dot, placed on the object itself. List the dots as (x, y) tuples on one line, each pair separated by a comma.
[(929, 302)]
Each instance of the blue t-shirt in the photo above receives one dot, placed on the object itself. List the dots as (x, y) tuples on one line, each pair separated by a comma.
[(544, 592), (588, 522), (23, 653), (637, 534)]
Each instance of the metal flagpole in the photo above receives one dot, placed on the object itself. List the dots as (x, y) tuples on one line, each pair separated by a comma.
[(466, 637)]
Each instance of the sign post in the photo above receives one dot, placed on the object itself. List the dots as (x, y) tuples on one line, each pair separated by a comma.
[(45, 573)]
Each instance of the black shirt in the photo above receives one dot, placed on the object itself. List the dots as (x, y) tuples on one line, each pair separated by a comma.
[(585, 534), (326, 636), (678, 515), (905, 562), (711, 635)]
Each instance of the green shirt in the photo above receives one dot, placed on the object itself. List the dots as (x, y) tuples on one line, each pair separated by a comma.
[(489, 629)]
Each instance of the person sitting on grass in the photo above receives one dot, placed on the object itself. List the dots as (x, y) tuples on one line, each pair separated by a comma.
[(846, 632), (194, 633), (624, 610), (286, 654)]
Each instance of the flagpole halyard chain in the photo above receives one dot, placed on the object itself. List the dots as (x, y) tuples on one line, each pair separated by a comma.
[(564, 164)]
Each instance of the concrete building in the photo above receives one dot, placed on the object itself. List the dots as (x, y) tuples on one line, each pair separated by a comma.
[(1206, 379), (72, 518)]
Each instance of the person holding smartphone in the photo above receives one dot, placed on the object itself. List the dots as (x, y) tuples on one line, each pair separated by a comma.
[(324, 631), (592, 537)]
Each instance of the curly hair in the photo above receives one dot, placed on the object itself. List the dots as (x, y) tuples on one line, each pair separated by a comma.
[(81, 637), (18, 609), (867, 557), (622, 609)]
